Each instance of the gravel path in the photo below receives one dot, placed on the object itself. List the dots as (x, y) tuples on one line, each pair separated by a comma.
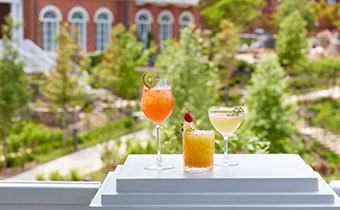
[(84, 161), (333, 92), (327, 138)]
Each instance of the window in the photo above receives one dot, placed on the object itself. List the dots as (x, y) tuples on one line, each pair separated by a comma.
[(185, 18), (49, 29), (50, 17), (331, 2), (78, 18), (165, 20), (103, 18), (143, 19)]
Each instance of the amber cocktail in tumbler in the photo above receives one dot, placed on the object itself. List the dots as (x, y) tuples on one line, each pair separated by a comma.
[(198, 150)]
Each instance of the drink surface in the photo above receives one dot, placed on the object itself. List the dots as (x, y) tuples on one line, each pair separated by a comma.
[(226, 124), (157, 103), (198, 149)]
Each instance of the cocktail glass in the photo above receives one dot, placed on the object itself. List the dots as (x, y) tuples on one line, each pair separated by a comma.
[(198, 150), (226, 121), (157, 105)]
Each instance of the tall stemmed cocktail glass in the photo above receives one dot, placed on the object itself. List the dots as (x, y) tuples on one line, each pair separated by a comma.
[(226, 121), (157, 105)]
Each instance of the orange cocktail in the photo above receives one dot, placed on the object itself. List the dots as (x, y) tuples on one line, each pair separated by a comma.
[(157, 103)]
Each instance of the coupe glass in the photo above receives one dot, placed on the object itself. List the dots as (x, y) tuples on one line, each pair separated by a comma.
[(157, 105), (226, 121)]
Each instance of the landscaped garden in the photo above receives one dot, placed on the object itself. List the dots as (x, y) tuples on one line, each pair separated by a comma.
[(204, 72)]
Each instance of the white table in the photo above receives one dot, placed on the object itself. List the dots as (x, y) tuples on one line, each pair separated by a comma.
[(278, 181)]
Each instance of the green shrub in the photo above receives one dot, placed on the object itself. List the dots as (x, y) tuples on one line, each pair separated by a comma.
[(193, 78), (268, 117), (13, 162), (292, 42), (56, 176), (139, 149)]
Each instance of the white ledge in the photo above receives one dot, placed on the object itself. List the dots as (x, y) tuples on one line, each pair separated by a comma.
[(47, 192)]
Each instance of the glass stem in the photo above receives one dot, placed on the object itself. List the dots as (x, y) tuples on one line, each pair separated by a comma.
[(159, 158), (225, 157)]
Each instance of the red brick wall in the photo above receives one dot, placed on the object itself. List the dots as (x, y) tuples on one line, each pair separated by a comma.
[(4, 10), (117, 8)]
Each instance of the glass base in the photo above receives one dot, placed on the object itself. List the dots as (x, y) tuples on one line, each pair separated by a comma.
[(197, 170), (226, 162), (159, 167)]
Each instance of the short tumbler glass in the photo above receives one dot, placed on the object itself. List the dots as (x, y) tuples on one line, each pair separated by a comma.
[(198, 151)]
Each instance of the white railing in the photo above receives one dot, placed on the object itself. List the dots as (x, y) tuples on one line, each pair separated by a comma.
[(47, 195), (57, 195), (36, 59)]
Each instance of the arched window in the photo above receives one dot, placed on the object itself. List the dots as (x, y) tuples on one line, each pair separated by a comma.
[(165, 21), (50, 16), (78, 18), (143, 19), (103, 18), (185, 18)]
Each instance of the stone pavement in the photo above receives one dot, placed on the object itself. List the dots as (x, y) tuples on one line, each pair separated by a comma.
[(84, 161), (325, 137)]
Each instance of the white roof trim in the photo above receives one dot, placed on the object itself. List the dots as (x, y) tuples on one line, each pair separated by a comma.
[(78, 9), (178, 2), (103, 10), (144, 11), (186, 13), (52, 8), (166, 12)]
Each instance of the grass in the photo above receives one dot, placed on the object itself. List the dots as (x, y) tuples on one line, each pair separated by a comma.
[(110, 130), (323, 113)]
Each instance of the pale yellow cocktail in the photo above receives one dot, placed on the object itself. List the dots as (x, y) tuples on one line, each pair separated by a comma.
[(226, 124), (226, 121)]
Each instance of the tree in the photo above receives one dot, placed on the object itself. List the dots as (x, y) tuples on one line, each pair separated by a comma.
[(62, 87), (303, 7), (14, 94), (192, 77), (326, 14), (227, 41), (240, 12), (292, 42), (117, 71), (270, 117)]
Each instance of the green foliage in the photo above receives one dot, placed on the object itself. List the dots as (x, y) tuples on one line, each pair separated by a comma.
[(117, 70), (109, 130), (14, 94), (139, 149), (29, 134), (328, 68), (328, 15), (269, 118), (240, 12), (303, 7), (319, 74), (110, 157), (292, 43), (62, 87), (192, 77), (326, 114), (227, 41)]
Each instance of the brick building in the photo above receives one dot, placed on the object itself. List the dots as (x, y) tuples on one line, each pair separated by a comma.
[(155, 19)]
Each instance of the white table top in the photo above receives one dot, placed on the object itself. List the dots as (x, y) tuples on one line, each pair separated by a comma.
[(272, 172)]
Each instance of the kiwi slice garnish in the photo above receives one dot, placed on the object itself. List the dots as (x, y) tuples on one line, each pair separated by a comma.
[(149, 79)]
